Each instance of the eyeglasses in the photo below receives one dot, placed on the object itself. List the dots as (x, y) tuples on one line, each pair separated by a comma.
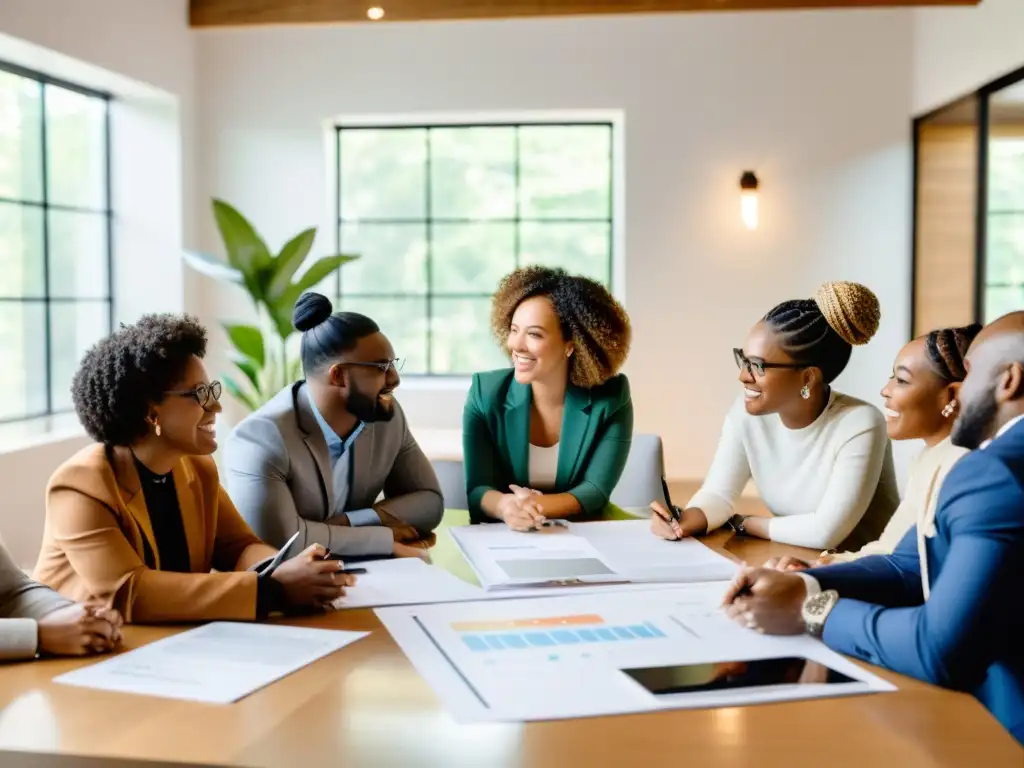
[(757, 366), (397, 363), (202, 394)]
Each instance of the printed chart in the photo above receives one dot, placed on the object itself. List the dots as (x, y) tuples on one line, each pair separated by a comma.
[(611, 653)]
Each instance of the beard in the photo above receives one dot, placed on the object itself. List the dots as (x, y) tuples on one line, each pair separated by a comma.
[(369, 408), (974, 424)]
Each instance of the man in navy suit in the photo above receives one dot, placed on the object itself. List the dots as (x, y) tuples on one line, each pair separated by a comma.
[(966, 631)]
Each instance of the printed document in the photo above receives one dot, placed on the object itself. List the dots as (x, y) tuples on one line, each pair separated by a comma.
[(611, 653), (610, 552), (217, 663)]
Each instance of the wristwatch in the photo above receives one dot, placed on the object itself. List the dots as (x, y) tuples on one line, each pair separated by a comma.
[(816, 609), (735, 524)]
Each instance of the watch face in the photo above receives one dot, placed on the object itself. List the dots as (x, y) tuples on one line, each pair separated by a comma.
[(817, 604)]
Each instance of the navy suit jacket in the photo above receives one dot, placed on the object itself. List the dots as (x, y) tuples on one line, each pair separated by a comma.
[(969, 635)]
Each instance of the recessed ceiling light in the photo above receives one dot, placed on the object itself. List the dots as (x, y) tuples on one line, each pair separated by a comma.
[(376, 13)]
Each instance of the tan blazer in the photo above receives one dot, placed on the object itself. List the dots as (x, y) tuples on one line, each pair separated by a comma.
[(95, 533)]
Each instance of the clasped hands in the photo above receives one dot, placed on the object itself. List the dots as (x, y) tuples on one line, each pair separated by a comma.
[(520, 509)]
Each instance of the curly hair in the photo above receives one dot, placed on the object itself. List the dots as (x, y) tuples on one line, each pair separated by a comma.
[(588, 314), (821, 332), (947, 348), (124, 374)]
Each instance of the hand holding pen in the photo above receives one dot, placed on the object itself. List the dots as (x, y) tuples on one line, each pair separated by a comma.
[(312, 579), (671, 523)]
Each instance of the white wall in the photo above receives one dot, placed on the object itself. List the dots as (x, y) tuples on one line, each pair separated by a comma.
[(141, 52), (791, 95), (956, 50)]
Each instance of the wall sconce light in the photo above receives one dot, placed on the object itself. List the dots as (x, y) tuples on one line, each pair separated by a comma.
[(376, 13), (748, 199)]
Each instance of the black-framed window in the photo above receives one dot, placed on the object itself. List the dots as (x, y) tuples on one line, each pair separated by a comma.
[(439, 213), (56, 296), (1004, 258)]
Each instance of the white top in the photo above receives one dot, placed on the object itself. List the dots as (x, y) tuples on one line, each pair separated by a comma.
[(829, 484), (543, 467), (927, 472)]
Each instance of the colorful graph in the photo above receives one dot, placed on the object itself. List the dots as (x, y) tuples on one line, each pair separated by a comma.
[(523, 634)]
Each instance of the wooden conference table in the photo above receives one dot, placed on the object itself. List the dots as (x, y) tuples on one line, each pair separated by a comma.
[(367, 706)]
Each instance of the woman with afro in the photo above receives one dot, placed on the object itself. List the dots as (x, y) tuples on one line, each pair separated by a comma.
[(139, 521), (550, 437)]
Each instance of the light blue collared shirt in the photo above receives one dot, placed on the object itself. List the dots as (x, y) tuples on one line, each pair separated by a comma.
[(341, 466)]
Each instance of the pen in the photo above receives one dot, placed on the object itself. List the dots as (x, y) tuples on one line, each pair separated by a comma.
[(280, 556), (328, 555), (668, 500)]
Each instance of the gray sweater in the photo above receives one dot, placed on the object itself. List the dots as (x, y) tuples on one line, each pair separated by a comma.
[(22, 602)]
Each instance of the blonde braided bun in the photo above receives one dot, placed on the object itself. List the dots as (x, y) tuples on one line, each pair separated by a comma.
[(851, 309)]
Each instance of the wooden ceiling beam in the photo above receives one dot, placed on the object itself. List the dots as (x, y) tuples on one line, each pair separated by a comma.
[(218, 13)]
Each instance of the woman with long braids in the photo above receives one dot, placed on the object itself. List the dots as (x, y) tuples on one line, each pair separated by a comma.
[(920, 404)]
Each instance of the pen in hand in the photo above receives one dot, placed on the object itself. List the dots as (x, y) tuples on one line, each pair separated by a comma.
[(328, 555), (672, 508)]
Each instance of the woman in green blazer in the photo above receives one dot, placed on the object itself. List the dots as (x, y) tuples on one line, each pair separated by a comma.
[(549, 437)]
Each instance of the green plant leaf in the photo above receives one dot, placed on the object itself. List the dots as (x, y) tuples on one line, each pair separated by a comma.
[(246, 250), (317, 271), (249, 341), (211, 266), (247, 366), (239, 394), (288, 262)]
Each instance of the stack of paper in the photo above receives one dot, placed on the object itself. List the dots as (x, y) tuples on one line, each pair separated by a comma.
[(614, 552)]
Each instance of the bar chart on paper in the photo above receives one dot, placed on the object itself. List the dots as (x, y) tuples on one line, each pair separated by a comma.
[(575, 656), (549, 632)]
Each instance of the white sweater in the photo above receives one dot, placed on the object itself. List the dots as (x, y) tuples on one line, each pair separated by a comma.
[(829, 485)]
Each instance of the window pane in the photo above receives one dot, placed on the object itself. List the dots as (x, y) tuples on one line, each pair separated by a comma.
[(75, 327), (78, 255), (21, 160), (1006, 175), (1001, 301), (462, 340), (21, 250), (383, 173), (1005, 249), (565, 172), (403, 321), (392, 258), (472, 172), (471, 258), (580, 249), (23, 341), (76, 159)]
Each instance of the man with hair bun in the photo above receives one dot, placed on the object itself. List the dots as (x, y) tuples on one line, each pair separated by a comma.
[(317, 458), (819, 458)]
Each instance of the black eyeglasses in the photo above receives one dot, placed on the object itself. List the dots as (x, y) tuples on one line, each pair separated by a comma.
[(202, 394), (397, 363), (757, 366)]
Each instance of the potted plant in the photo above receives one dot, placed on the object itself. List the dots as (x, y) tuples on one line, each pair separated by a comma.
[(271, 282)]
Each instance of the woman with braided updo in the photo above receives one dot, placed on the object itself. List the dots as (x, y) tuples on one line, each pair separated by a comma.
[(549, 438), (820, 459), (920, 404)]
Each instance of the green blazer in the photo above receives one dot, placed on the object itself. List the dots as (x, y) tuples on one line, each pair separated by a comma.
[(597, 429)]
